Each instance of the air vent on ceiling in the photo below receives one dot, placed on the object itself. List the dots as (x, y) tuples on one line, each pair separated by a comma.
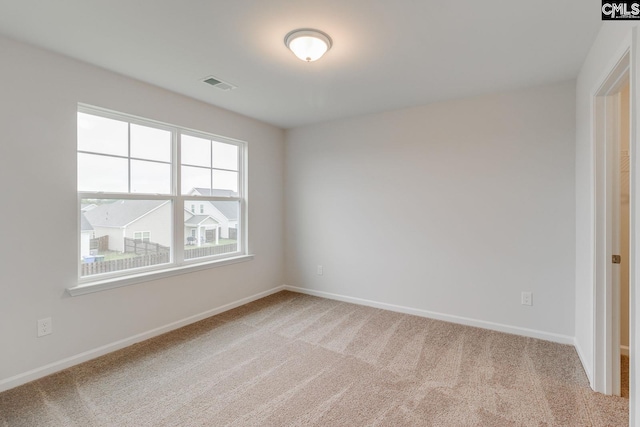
[(218, 84)]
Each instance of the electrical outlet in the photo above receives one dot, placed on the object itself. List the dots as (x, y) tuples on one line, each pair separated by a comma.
[(45, 327), (320, 270), (527, 298)]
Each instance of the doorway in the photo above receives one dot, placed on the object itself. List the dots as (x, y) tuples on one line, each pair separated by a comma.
[(613, 222), (623, 232)]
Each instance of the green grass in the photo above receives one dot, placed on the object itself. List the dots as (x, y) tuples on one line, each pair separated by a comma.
[(220, 243), (113, 255)]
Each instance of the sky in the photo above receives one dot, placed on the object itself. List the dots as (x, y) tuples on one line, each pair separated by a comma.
[(119, 157)]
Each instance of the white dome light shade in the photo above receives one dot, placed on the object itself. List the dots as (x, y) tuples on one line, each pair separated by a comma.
[(308, 45)]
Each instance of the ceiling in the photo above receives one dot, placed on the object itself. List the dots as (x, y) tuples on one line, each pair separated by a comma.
[(386, 54)]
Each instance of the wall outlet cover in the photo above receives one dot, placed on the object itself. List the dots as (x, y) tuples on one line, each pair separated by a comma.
[(45, 327)]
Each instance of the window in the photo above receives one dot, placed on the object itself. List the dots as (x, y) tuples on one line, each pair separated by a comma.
[(139, 183), (142, 236)]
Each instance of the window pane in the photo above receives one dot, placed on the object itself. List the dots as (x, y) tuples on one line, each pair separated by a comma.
[(102, 135), (102, 173), (212, 232), (149, 143), (195, 151), (195, 178), (224, 180), (225, 156), (143, 236), (118, 235), (150, 177)]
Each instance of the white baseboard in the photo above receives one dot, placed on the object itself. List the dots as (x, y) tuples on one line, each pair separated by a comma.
[(532, 333), (624, 350), (34, 374)]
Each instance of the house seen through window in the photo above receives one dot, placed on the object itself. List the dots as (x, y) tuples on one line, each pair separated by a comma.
[(138, 204)]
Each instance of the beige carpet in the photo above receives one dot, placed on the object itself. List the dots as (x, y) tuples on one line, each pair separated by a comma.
[(624, 376), (296, 360)]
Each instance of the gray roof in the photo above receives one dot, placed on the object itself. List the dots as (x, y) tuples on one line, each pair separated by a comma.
[(85, 225), (216, 192), (197, 219), (228, 209), (121, 212)]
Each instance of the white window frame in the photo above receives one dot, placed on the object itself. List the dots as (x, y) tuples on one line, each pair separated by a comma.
[(142, 233), (177, 264)]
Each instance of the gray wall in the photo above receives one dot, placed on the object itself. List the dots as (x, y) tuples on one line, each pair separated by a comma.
[(40, 92), (452, 209)]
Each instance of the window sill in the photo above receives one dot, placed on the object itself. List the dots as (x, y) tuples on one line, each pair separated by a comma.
[(103, 285)]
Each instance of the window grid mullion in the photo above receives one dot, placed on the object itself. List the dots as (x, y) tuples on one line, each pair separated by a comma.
[(211, 167), (178, 201), (129, 153)]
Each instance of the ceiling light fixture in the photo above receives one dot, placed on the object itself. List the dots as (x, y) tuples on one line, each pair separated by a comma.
[(307, 44)]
